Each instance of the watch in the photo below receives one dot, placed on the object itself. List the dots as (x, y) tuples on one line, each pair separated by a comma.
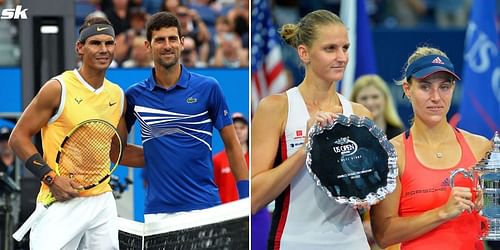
[(49, 178)]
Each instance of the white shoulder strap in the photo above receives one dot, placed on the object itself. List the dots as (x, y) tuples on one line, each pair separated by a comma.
[(62, 101), (346, 105)]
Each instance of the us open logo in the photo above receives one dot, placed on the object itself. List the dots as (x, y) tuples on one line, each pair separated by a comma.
[(346, 146), (17, 13)]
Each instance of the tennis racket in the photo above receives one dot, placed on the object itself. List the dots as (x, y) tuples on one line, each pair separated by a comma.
[(88, 155)]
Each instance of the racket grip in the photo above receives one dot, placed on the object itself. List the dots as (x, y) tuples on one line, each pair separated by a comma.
[(26, 226)]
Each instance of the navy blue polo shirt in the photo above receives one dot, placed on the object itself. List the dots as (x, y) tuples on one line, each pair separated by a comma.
[(176, 131)]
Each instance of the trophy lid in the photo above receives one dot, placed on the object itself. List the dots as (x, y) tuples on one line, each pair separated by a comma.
[(491, 160)]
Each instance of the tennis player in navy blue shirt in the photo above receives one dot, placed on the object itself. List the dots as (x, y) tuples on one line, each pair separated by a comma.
[(177, 111)]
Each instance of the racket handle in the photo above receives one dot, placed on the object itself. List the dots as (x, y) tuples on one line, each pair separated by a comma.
[(26, 226)]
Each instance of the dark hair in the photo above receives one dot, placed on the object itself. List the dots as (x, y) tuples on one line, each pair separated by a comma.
[(305, 31), (162, 20), (91, 20)]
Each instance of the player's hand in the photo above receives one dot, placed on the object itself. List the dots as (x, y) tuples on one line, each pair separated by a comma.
[(64, 189), (479, 202), (460, 200), (362, 207), (320, 118)]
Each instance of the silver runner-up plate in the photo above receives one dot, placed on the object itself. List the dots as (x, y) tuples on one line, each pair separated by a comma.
[(352, 160)]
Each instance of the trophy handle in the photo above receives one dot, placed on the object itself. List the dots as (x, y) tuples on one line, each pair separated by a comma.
[(463, 171)]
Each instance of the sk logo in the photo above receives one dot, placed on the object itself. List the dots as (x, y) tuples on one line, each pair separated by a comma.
[(191, 100), (17, 13), (111, 103), (99, 29), (78, 100)]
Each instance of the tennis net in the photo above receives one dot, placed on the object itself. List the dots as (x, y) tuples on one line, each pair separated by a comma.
[(222, 227)]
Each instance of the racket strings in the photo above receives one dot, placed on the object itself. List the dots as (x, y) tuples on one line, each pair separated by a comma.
[(85, 156)]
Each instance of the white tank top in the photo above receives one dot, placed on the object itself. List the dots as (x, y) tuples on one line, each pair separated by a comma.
[(304, 216)]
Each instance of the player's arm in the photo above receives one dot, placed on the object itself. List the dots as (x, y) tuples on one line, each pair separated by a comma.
[(267, 127), (35, 116), (133, 155), (236, 159), (389, 228)]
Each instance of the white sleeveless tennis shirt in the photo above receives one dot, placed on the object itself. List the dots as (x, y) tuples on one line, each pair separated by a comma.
[(304, 216)]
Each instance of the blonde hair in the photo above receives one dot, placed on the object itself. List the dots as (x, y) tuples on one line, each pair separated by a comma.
[(390, 113), (419, 53), (304, 32)]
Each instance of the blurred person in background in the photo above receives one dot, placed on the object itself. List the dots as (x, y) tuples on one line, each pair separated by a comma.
[(238, 16), (451, 13), (410, 13), (118, 15), (137, 19), (170, 5), (222, 26), (230, 53), (208, 10), (125, 41), (6, 153), (193, 26), (372, 92), (189, 55), (139, 56)]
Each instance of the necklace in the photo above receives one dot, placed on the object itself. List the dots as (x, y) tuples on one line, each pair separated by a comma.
[(439, 155)]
